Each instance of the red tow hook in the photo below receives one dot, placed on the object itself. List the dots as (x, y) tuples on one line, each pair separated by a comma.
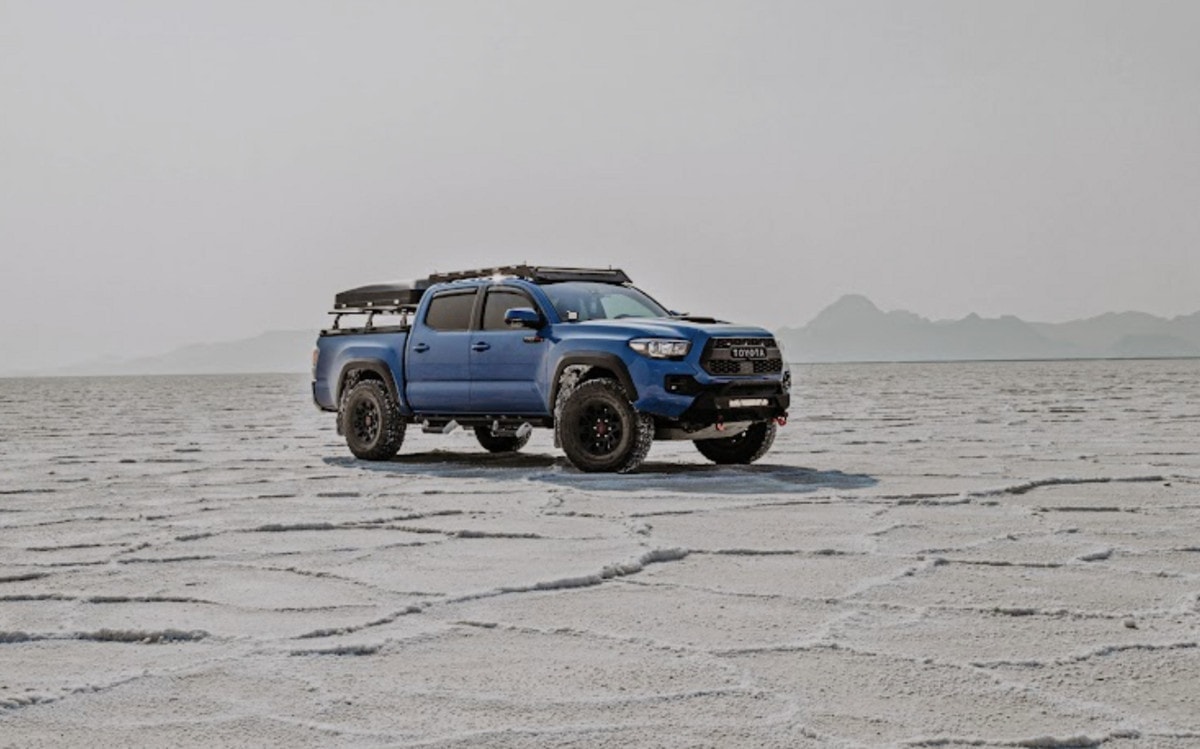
[(781, 420)]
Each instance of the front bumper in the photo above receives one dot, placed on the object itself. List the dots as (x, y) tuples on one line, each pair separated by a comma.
[(736, 401), (680, 393)]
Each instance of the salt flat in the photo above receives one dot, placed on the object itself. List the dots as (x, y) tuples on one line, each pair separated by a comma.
[(932, 555)]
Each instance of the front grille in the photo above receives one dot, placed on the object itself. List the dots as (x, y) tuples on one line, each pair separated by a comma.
[(725, 367), (717, 358)]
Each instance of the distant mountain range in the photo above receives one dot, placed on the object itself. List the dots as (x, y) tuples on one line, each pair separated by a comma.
[(854, 329), (850, 329), (274, 351)]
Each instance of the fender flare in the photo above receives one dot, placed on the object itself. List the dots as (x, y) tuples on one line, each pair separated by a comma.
[(600, 359), (377, 366)]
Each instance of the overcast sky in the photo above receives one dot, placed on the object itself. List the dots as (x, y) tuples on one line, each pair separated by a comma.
[(180, 172)]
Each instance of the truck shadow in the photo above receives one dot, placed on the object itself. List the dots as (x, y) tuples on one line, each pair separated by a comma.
[(686, 478)]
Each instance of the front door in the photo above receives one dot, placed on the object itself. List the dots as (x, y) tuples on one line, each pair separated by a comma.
[(436, 362), (504, 360)]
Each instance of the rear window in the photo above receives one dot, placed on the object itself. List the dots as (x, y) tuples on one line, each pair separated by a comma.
[(451, 311)]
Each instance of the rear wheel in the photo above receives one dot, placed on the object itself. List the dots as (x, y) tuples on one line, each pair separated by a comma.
[(746, 447), (600, 430), (500, 444), (371, 421)]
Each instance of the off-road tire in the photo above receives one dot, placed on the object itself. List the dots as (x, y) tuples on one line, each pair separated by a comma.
[(370, 419), (502, 444), (600, 430), (744, 448)]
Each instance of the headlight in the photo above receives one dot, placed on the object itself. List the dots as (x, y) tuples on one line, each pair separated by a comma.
[(661, 348)]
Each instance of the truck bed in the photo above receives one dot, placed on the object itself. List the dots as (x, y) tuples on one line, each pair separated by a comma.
[(338, 347)]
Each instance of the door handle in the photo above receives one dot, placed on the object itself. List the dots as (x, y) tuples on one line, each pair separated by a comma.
[(421, 348), (480, 346)]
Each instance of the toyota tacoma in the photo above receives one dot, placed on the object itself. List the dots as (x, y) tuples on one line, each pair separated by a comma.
[(582, 351)]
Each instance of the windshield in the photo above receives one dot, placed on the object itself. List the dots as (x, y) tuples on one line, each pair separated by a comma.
[(577, 301)]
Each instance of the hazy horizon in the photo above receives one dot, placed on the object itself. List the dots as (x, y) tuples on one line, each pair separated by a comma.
[(842, 341), (204, 172)]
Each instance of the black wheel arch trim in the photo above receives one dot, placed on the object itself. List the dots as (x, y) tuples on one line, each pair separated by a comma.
[(376, 366), (600, 359)]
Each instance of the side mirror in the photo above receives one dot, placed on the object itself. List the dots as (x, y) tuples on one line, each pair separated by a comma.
[(522, 317)]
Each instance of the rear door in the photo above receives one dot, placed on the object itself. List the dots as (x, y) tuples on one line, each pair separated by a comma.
[(504, 360), (436, 361)]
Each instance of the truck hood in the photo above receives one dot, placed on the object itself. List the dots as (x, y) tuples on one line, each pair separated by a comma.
[(674, 327)]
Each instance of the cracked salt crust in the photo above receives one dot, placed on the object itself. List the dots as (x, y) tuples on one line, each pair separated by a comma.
[(974, 555)]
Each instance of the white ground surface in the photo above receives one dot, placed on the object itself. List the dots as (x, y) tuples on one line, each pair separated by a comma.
[(939, 555)]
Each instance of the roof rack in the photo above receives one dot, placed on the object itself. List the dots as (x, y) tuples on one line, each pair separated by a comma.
[(537, 274), (402, 298), (405, 312)]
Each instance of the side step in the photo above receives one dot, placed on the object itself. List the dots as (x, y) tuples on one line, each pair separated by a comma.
[(520, 431), (439, 427)]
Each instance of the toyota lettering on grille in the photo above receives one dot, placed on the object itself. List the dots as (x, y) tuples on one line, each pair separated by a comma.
[(748, 352)]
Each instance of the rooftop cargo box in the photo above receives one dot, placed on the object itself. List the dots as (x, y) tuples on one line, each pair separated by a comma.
[(379, 295)]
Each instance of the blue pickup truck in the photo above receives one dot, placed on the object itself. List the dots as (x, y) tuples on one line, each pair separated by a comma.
[(582, 351)]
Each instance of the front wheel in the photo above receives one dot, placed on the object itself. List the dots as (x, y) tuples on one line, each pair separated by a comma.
[(371, 421), (744, 448), (601, 431)]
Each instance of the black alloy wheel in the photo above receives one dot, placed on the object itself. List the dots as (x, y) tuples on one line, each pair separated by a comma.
[(365, 421), (371, 421), (600, 430)]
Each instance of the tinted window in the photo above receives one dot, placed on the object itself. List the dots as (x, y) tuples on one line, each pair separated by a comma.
[(499, 302), (450, 311)]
